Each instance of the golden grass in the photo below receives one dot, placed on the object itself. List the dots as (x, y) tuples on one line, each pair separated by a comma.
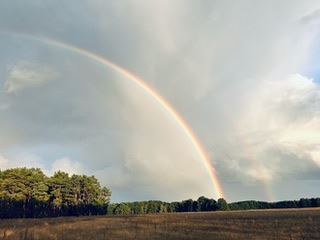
[(269, 224)]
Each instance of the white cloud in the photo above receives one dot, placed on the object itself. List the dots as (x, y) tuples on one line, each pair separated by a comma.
[(21, 160), (315, 154), (67, 165), (260, 174), (223, 64), (28, 160), (26, 74), (281, 122), (312, 18)]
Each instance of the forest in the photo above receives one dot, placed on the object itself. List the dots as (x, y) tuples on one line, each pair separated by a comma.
[(29, 193)]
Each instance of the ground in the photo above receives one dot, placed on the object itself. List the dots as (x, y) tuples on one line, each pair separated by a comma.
[(263, 224)]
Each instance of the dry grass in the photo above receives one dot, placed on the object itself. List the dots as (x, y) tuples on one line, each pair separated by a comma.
[(270, 224)]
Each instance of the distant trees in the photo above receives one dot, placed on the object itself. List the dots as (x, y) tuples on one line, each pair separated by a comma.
[(206, 204), (122, 209), (143, 207), (29, 193), (200, 205), (147, 207), (302, 203), (222, 205)]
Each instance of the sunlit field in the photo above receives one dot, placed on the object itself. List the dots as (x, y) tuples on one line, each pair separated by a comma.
[(266, 224)]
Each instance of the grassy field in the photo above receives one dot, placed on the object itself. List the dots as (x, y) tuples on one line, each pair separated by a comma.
[(269, 224)]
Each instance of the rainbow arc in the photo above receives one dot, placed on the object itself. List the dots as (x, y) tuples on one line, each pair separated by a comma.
[(149, 90)]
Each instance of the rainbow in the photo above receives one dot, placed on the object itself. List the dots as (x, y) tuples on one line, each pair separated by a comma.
[(156, 96), (257, 165)]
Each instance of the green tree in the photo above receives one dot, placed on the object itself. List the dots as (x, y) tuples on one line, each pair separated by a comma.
[(29, 193), (122, 209), (187, 205), (111, 208), (87, 190), (222, 205), (206, 204), (60, 190), (25, 185)]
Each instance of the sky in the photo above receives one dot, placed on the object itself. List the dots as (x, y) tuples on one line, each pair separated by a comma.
[(245, 76)]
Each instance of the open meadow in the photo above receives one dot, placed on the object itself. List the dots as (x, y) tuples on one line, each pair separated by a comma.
[(268, 224)]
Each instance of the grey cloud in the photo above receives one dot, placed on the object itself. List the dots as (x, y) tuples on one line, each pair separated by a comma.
[(26, 74), (213, 60), (312, 17)]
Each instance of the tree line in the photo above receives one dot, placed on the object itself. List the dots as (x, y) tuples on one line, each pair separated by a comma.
[(204, 204), (29, 193), (302, 203), (147, 207)]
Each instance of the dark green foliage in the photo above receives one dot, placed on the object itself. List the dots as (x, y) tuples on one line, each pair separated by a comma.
[(222, 205), (29, 193), (302, 203), (206, 204), (144, 207), (246, 205), (122, 209)]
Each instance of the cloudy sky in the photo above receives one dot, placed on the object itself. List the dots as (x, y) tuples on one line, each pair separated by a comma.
[(244, 74)]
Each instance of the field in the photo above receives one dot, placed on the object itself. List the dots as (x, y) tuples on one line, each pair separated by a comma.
[(269, 224)]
